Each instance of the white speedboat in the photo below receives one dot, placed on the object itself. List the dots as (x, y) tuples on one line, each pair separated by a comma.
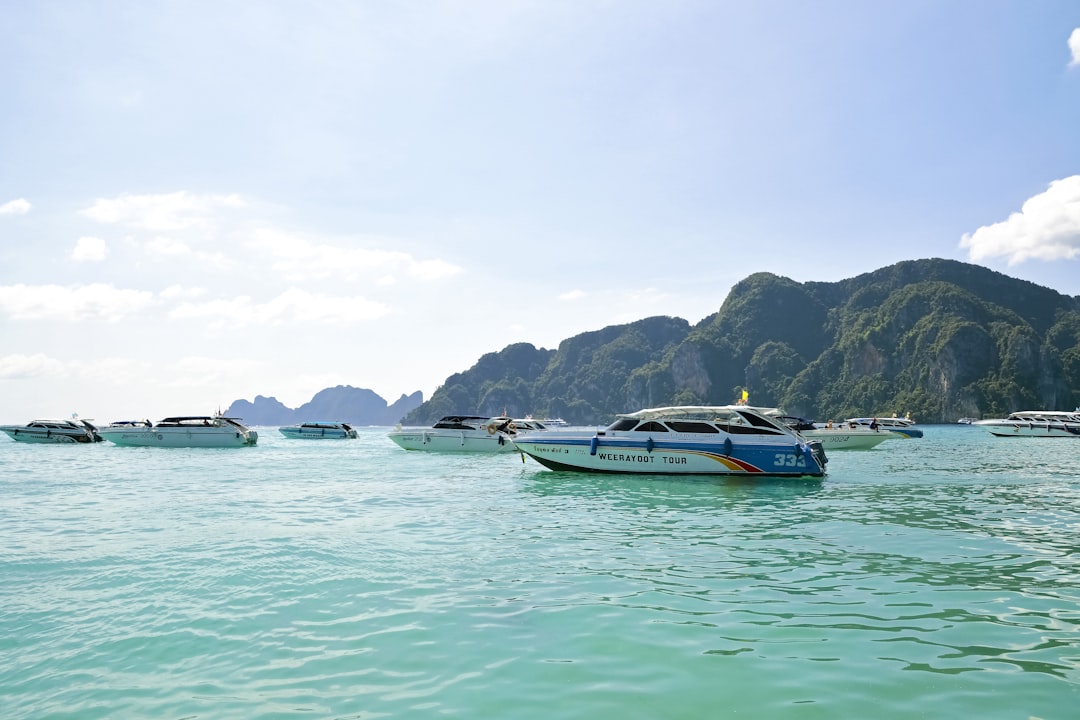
[(902, 427), (74, 430), (684, 440), (837, 436), (319, 430), (1034, 423), (189, 431), (465, 433)]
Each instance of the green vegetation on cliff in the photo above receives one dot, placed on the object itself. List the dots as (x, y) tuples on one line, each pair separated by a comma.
[(938, 339)]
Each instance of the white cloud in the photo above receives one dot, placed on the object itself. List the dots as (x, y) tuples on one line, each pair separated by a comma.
[(1046, 228), (1074, 48), (572, 295), (292, 306), (160, 213), (15, 207), (89, 249), (79, 302), (167, 247), (179, 291), (110, 370), (201, 372), (14, 367), (298, 259)]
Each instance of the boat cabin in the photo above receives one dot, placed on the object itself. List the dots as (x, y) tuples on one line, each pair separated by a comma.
[(734, 420)]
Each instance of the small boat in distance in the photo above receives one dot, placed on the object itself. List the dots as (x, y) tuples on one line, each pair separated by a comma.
[(73, 430), (683, 440), (186, 431), (319, 430), (1034, 423), (903, 427), (465, 433)]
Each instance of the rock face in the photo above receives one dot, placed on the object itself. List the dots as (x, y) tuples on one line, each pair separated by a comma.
[(936, 339), (356, 406)]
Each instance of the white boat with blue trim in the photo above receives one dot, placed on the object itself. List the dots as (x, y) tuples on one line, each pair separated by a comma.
[(684, 440), (186, 431), (319, 430)]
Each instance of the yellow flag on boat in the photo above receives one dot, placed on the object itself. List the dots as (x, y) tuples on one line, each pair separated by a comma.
[(745, 396)]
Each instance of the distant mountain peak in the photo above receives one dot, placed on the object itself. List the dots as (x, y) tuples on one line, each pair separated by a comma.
[(357, 406)]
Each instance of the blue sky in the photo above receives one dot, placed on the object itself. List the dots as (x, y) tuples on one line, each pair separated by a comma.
[(205, 201)]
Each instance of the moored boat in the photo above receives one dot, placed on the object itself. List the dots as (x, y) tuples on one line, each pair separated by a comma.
[(60, 430), (1034, 423), (187, 431), (319, 430), (465, 433), (901, 427), (838, 436), (683, 440)]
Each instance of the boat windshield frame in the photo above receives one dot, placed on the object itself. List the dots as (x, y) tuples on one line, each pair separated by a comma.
[(719, 416)]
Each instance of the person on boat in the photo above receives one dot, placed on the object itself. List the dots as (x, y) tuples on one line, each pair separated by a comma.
[(873, 424), (508, 427)]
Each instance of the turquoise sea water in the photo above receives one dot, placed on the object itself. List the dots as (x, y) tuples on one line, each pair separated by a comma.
[(932, 578)]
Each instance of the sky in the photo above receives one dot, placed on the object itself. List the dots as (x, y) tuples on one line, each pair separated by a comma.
[(202, 202)]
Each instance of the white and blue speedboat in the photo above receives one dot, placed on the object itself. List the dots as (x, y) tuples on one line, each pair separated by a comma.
[(319, 430), (684, 440)]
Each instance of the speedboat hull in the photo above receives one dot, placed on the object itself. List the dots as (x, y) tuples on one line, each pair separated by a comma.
[(617, 453), (179, 437), (847, 439), (434, 440), (1019, 428)]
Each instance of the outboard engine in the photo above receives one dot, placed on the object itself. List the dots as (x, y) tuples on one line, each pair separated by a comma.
[(818, 451)]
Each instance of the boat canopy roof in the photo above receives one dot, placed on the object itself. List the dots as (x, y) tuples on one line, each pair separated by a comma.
[(53, 422), (701, 419), (693, 412), (884, 420), (1045, 415), (464, 418)]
